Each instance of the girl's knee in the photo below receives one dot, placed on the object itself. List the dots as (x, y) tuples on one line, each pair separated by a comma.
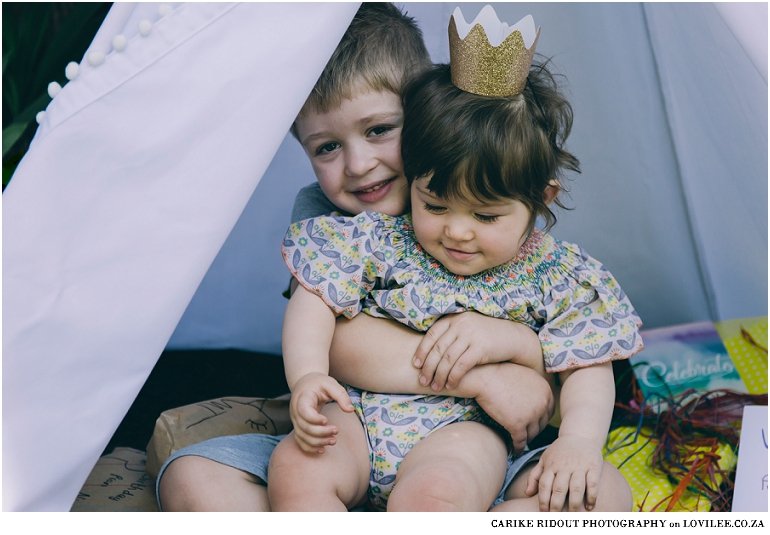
[(440, 473), (287, 464), (435, 488), (316, 482), (430, 492)]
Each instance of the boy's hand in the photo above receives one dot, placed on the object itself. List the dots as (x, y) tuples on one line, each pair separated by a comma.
[(310, 393), (572, 466), (458, 342), (502, 396)]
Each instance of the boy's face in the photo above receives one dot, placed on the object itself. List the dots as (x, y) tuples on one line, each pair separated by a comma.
[(467, 237), (355, 151)]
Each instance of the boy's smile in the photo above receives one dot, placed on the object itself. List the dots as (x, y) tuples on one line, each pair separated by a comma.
[(355, 151), (467, 237)]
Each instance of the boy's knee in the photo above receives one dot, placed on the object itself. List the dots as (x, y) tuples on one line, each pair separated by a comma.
[(193, 483), (614, 491), (170, 488), (184, 484)]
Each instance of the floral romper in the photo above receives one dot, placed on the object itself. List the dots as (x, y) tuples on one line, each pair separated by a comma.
[(372, 263)]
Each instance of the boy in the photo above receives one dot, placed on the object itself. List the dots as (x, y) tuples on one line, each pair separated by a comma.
[(350, 128)]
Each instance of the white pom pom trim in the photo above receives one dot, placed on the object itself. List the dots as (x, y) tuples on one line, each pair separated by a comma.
[(72, 70), (164, 9), (145, 26), (96, 57), (53, 89), (40, 116), (119, 42)]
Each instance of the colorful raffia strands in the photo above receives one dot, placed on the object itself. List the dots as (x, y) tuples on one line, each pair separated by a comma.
[(651, 489), (679, 452), (746, 342), (682, 458)]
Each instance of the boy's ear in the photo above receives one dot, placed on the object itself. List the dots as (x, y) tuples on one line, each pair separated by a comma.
[(551, 191)]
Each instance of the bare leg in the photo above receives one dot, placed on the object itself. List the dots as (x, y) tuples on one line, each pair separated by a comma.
[(335, 480), (460, 467), (614, 492), (193, 483)]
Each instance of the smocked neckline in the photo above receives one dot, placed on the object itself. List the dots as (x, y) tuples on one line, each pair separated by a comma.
[(539, 255)]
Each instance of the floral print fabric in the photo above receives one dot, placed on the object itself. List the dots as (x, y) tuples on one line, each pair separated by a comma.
[(372, 263), (395, 423)]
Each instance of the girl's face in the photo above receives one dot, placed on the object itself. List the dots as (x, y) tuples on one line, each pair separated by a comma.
[(467, 237)]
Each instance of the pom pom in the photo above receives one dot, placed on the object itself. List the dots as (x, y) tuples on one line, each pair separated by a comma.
[(72, 70), (119, 42), (53, 89), (164, 9), (145, 26), (96, 57), (40, 116)]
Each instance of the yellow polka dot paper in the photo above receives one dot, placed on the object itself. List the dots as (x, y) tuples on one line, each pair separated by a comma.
[(749, 360)]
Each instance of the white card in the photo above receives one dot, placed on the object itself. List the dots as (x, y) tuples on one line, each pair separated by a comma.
[(750, 493)]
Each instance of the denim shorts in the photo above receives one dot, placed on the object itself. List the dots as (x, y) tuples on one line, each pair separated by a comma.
[(251, 453)]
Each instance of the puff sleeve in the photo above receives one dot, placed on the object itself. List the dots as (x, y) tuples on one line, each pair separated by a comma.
[(588, 318), (336, 258)]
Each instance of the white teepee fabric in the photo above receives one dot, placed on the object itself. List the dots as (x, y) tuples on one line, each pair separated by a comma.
[(716, 105), (136, 176)]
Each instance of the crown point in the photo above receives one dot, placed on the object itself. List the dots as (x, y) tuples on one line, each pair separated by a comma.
[(40, 116), (488, 57)]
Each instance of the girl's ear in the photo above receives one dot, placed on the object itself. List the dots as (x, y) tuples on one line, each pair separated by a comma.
[(551, 191)]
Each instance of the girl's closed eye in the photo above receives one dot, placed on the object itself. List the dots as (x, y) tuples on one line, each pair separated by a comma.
[(432, 208), (487, 218)]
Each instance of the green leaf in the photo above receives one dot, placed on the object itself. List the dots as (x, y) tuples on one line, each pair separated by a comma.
[(29, 113), (10, 165), (11, 135), (26, 117), (11, 99), (6, 57), (10, 27), (8, 173), (34, 30)]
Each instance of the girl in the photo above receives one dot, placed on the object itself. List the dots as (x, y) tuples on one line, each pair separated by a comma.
[(481, 170)]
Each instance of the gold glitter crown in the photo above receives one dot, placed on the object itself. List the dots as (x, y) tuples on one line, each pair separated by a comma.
[(482, 68)]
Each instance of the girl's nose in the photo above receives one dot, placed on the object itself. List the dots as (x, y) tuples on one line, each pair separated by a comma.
[(359, 160), (458, 230)]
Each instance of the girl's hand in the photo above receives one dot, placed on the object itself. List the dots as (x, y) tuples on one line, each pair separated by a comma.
[(572, 466), (458, 342), (310, 393)]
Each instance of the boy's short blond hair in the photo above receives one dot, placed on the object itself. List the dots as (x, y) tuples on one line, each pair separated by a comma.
[(381, 49)]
